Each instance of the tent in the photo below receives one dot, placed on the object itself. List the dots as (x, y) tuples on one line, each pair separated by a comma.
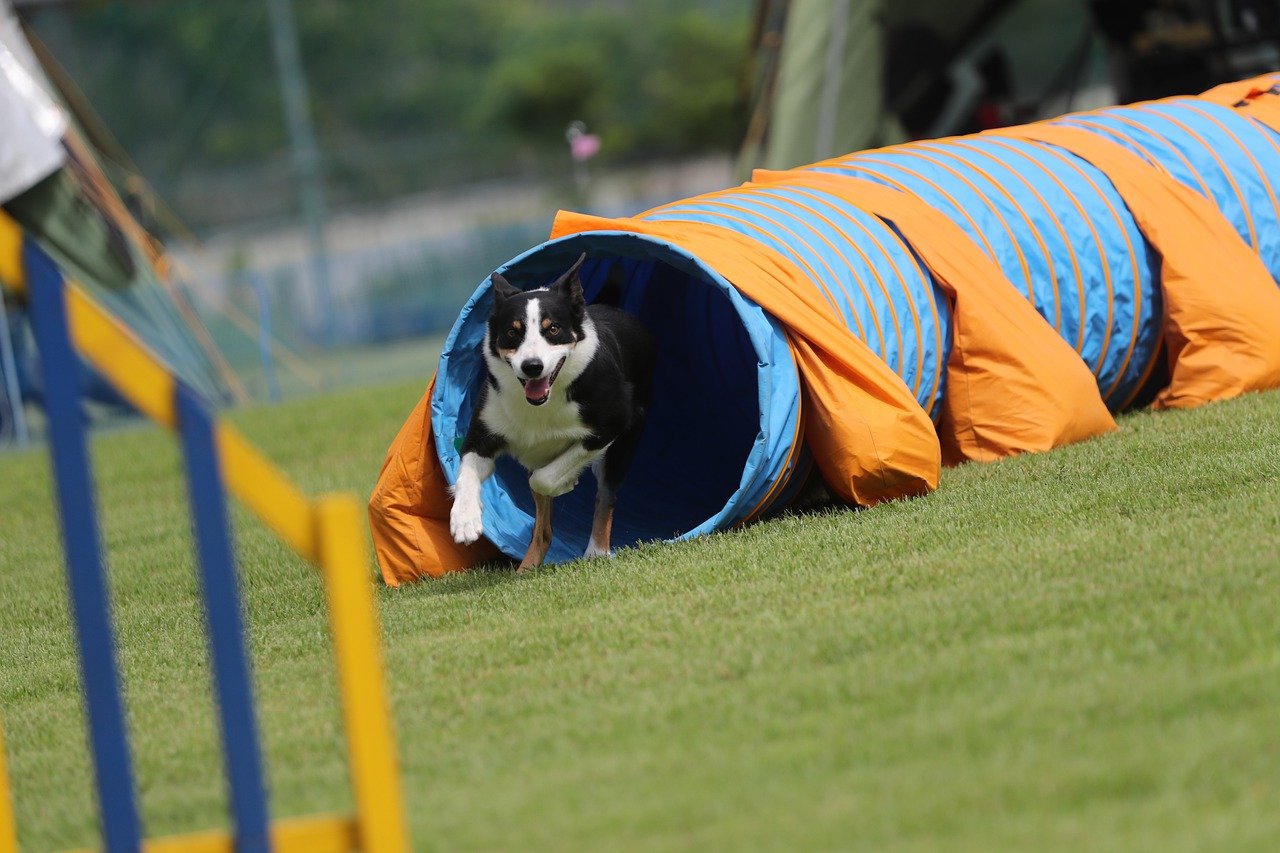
[(874, 316), (55, 187), (830, 76)]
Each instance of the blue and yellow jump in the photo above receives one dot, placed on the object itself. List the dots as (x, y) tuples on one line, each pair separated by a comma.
[(70, 325)]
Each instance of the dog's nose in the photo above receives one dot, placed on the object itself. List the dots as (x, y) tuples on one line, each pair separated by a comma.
[(531, 368)]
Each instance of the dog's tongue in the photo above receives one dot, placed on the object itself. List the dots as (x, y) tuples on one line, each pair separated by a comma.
[(536, 389)]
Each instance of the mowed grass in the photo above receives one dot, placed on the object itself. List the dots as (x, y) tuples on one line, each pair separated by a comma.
[(1076, 650)]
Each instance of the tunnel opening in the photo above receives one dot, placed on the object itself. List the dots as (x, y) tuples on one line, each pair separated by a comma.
[(722, 427)]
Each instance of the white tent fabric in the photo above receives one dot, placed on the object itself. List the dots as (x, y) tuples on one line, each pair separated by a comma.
[(31, 124)]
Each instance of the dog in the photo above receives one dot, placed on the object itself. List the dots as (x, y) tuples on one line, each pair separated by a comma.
[(567, 388)]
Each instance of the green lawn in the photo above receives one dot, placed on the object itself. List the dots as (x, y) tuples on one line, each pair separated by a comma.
[(1078, 650)]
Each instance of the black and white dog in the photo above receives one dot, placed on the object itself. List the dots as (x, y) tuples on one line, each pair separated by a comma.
[(567, 388)]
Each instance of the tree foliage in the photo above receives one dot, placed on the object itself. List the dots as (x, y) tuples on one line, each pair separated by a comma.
[(408, 94)]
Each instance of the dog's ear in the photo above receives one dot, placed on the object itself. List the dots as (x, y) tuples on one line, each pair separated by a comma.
[(573, 270), (502, 289), (571, 285)]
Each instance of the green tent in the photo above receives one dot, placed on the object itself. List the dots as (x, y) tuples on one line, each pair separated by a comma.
[(834, 76), (68, 196)]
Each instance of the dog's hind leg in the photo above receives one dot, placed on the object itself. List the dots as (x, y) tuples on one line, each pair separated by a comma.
[(602, 520), (610, 469), (541, 541)]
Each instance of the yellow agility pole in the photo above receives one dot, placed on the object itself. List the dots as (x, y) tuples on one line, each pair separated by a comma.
[(312, 834), (8, 832), (353, 620)]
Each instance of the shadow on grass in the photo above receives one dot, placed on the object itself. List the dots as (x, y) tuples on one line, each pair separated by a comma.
[(815, 501), (477, 578)]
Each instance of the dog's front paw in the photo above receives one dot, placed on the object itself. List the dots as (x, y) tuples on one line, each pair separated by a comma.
[(465, 522), (544, 483)]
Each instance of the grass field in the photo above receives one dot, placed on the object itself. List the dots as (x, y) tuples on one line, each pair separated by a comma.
[(1078, 650)]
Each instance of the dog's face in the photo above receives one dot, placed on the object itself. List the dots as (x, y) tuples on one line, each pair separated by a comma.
[(533, 333)]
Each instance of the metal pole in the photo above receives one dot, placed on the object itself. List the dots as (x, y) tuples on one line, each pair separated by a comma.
[(306, 156), (9, 367), (264, 337)]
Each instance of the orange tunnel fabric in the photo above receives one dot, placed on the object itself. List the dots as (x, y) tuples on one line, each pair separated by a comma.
[(965, 299)]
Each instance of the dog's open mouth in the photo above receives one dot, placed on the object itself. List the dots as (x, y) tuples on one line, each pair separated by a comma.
[(538, 391)]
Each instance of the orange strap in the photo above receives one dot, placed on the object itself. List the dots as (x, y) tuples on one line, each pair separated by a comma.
[(1259, 98), (1013, 384), (1265, 108), (1222, 308), (869, 437), (409, 508), (1231, 94)]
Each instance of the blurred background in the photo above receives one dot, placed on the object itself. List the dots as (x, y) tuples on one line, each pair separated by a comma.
[(310, 191)]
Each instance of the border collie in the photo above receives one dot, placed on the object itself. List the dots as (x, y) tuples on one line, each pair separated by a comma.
[(567, 389)]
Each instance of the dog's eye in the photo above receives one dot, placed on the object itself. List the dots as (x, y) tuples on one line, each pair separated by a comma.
[(513, 334), (553, 329)]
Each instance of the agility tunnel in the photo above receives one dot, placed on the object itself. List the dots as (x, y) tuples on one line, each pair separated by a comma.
[(870, 318)]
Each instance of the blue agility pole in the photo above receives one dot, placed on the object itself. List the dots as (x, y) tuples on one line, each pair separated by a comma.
[(224, 622), (86, 577)]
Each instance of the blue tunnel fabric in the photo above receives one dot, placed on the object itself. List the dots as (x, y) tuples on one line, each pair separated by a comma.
[(723, 438), (875, 282), (1058, 231), (1221, 154)]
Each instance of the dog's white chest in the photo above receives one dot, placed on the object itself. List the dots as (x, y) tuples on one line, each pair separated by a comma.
[(535, 434)]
